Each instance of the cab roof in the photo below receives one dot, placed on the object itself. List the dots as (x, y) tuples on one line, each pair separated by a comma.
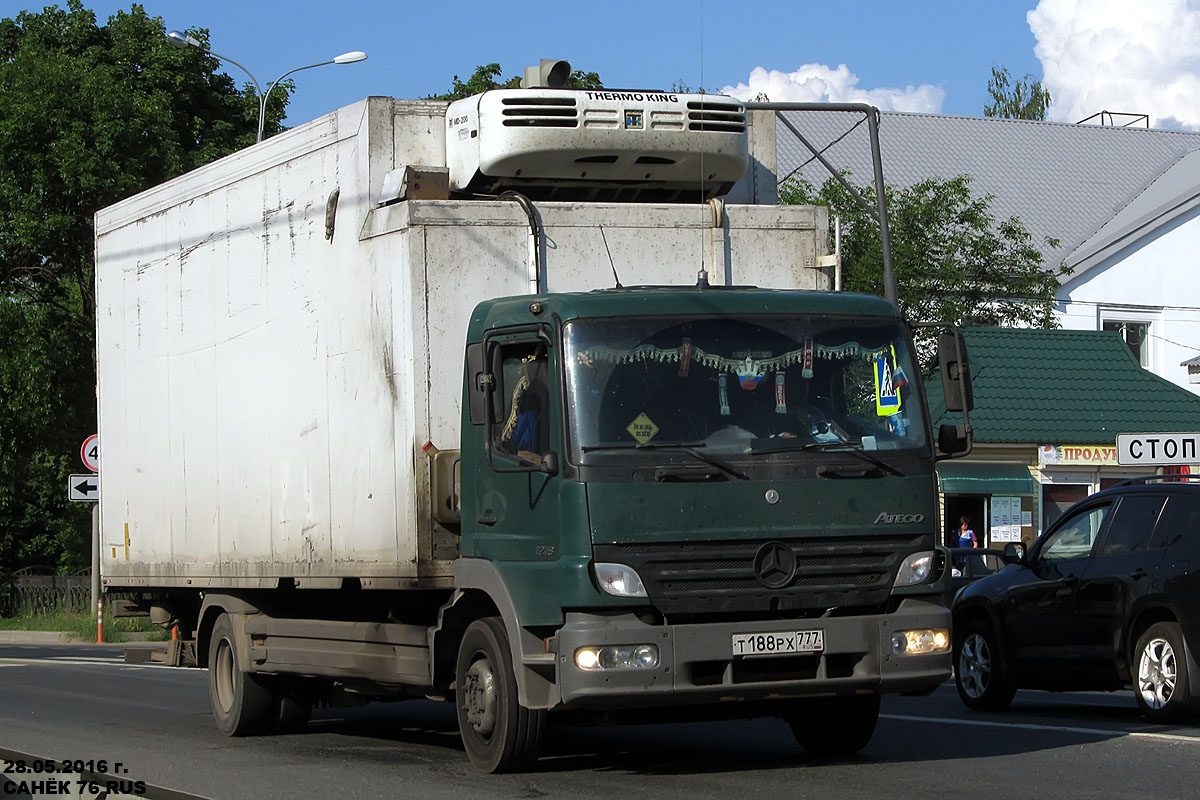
[(671, 301)]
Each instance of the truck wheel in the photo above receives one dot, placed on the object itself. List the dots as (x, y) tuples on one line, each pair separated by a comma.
[(979, 670), (498, 734), (243, 704), (1161, 671), (834, 726)]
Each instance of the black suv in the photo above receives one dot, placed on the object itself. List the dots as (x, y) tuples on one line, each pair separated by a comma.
[(1108, 598)]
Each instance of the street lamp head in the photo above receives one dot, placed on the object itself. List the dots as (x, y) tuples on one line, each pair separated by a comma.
[(351, 57), (181, 41)]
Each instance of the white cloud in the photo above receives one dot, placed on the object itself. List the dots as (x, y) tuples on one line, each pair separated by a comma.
[(819, 83), (1121, 56)]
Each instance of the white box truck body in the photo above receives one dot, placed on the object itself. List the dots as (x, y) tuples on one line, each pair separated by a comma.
[(265, 387)]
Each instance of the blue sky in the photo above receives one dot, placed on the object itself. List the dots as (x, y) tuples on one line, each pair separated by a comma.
[(922, 55)]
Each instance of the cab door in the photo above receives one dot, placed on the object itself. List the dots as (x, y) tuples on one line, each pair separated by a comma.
[(1041, 607), (516, 504), (1120, 572)]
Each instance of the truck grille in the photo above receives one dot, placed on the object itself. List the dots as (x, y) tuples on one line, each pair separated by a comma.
[(720, 577), (540, 112)]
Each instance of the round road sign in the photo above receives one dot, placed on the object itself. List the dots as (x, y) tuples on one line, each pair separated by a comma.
[(90, 452)]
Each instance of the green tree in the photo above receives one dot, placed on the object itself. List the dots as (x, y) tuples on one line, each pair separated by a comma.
[(954, 261), (488, 76), (89, 114), (1023, 99)]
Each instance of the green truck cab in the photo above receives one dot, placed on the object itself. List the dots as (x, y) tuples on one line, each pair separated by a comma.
[(697, 497)]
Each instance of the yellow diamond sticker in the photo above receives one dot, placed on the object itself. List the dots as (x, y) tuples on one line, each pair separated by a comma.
[(643, 428)]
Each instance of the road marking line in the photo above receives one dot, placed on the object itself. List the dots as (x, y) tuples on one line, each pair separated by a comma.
[(1170, 737), (59, 661)]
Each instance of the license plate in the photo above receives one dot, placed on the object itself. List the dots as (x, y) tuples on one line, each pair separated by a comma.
[(778, 643)]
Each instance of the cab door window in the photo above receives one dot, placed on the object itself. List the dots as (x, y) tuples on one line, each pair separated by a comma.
[(1076, 537), (523, 430)]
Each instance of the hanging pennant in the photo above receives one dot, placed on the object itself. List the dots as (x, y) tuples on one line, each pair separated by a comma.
[(780, 393), (685, 356), (807, 370), (723, 393)]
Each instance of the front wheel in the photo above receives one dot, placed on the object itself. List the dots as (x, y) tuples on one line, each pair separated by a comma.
[(498, 734), (1160, 667), (834, 726), (979, 671)]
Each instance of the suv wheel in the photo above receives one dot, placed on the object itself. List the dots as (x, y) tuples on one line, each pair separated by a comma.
[(1160, 667), (979, 672)]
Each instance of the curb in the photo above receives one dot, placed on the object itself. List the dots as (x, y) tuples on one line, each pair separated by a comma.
[(39, 637)]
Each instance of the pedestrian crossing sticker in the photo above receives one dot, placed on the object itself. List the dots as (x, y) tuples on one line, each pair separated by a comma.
[(888, 380)]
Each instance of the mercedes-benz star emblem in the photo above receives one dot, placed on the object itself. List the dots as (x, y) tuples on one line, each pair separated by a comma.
[(775, 565)]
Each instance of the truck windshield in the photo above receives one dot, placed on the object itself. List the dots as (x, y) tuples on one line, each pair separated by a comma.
[(732, 386)]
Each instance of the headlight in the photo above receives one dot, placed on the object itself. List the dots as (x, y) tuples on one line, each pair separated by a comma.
[(619, 580), (634, 656), (919, 642), (915, 569)]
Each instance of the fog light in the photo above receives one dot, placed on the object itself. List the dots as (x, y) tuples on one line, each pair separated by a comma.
[(587, 658), (636, 656), (919, 642)]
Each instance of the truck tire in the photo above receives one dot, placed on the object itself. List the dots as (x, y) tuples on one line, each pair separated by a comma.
[(980, 674), (834, 726), (1160, 673), (243, 704), (498, 734)]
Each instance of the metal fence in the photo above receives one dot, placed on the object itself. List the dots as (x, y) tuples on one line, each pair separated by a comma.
[(42, 590)]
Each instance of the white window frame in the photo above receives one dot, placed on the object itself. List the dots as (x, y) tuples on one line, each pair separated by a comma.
[(1150, 319)]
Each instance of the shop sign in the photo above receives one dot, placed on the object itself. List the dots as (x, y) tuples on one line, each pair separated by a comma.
[(1157, 449), (1075, 455)]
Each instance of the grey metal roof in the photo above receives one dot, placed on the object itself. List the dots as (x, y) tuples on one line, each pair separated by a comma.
[(1069, 182), (1170, 195)]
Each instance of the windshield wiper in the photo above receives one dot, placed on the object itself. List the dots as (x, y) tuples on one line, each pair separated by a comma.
[(836, 447), (683, 447)]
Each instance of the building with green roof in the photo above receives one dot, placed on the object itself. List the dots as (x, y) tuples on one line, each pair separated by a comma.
[(1048, 407)]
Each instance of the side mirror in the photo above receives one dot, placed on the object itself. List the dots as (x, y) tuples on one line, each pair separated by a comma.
[(1013, 554), (955, 370), (953, 439), (550, 463)]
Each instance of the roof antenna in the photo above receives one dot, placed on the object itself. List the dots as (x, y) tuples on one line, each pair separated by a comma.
[(604, 239), (702, 276)]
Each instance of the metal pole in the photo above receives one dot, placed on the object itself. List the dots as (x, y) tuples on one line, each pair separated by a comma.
[(262, 97), (837, 253), (872, 114), (890, 289), (96, 599)]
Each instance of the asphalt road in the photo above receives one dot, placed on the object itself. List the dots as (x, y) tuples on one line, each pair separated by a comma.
[(82, 702)]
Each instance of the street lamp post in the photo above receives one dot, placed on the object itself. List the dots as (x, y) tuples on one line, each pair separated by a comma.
[(181, 40)]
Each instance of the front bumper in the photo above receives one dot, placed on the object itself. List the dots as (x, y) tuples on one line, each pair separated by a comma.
[(696, 664)]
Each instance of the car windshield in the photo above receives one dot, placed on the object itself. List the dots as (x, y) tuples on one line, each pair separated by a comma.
[(788, 386)]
